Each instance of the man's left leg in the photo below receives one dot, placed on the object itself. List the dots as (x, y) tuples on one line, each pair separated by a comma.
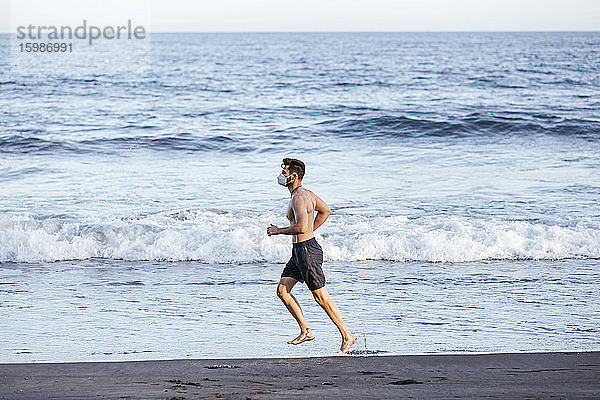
[(325, 301), (284, 292)]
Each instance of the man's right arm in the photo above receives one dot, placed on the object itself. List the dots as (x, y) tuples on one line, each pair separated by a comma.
[(323, 212)]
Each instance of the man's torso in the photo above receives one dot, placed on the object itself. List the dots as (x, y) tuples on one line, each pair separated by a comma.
[(311, 203)]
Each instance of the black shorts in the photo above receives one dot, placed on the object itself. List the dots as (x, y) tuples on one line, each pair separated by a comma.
[(305, 264)]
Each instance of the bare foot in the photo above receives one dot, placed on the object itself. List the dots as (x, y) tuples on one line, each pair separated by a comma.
[(347, 343), (303, 337)]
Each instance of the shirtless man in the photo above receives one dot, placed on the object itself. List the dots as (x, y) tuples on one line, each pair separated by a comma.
[(307, 255)]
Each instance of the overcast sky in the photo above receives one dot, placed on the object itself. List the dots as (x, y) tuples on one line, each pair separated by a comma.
[(308, 15)]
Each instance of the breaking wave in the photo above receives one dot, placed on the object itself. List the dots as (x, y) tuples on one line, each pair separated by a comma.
[(214, 236)]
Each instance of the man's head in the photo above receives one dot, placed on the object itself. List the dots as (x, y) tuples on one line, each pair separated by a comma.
[(291, 166)]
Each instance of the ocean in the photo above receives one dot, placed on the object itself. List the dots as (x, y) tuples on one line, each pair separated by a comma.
[(138, 180)]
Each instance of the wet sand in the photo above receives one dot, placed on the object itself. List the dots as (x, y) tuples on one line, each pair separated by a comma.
[(522, 375)]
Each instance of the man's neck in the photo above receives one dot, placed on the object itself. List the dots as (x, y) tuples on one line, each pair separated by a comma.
[(293, 188)]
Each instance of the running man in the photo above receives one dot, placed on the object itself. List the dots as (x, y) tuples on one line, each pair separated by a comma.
[(307, 255)]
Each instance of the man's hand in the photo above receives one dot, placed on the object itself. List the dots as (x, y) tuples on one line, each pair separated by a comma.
[(272, 230)]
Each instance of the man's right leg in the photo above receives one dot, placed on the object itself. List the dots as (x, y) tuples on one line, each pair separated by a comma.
[(284, 292), (325, 301)]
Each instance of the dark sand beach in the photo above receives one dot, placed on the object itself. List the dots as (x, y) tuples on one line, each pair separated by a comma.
[(522, 375)]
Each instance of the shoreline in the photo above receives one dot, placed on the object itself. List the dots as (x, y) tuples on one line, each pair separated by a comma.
[(360, 353), (514, 375)]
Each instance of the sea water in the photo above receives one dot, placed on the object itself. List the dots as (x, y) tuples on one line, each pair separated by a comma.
[(138, 179)]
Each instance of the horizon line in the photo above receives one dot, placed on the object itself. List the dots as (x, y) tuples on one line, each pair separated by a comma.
[(376, 31)]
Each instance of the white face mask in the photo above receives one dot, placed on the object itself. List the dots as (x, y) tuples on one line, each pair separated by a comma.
[(282, 180)]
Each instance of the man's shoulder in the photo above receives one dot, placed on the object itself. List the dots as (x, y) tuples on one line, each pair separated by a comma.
[(311, 198), (312, 194), (309, 194), (304, 195)]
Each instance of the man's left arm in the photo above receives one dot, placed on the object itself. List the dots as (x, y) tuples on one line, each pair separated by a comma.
[(301, 217)]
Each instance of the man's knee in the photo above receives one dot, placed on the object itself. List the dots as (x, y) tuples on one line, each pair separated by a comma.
[(281, 291), (320, 296)]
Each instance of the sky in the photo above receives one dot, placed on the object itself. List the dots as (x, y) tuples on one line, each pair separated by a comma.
[(309, 15)]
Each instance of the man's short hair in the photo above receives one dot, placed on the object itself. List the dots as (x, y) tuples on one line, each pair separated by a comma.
[(294, 166)]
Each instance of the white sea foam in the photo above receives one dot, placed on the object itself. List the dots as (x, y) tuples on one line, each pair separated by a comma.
[(214, 236)]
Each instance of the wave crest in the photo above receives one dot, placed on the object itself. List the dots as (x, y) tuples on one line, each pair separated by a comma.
[(214, 236)]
